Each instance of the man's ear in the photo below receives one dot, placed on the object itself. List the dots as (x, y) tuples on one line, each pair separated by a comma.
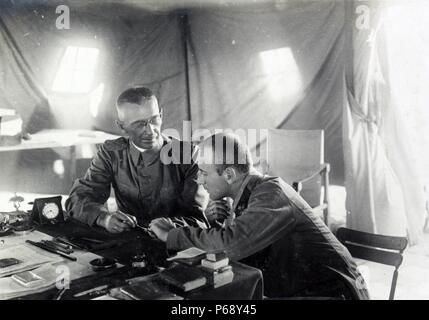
[(230, 175)]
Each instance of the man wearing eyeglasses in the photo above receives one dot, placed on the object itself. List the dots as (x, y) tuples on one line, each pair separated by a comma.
[(152, 175)]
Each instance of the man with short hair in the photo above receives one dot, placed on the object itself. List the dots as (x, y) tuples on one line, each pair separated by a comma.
[(145, 185), (274, 229)]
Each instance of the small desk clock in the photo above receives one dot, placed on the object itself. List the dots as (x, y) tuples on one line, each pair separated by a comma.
[(47, 210)]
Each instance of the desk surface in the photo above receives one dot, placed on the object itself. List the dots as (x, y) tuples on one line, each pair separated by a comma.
[(247, 283), (56, 138)]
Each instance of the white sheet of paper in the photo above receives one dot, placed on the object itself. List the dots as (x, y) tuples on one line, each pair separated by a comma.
[(187, 254)]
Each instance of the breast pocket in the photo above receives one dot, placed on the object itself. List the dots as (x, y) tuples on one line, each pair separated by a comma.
[(126, 191), (169, 193)]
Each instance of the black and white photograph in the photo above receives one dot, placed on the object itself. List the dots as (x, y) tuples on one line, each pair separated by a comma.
[(222, 154)]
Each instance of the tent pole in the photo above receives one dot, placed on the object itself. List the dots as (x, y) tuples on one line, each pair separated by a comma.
[(185, 34)]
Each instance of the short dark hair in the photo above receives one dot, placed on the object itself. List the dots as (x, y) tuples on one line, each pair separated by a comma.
[(135, 95), (241, 160)]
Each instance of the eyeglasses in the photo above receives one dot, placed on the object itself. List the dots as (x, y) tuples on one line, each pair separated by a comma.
[(141, 124)]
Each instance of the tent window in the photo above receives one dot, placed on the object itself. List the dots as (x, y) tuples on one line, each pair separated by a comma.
[(76, 70), (282, 72)]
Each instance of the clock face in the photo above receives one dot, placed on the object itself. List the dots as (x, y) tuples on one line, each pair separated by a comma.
[(50, 210)]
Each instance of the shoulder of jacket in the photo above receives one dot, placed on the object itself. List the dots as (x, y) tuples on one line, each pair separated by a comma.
[(115, 145), (268, 187)]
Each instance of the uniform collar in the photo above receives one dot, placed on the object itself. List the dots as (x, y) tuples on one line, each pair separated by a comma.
[(135, 153), (248, 183), (139, 149)]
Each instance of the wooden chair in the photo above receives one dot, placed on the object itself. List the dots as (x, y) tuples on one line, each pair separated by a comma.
[(297, 156), (377, 248)]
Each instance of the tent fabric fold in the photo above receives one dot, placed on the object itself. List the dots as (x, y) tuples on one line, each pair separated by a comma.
[(380, 197)]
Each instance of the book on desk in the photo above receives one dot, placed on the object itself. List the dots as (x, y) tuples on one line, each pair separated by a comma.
[(184, 277), (148, 287), (142, 292), (195, 268), (191, 256)]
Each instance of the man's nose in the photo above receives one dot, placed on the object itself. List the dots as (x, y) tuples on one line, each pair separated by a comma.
[(148, 129), (200, 179)]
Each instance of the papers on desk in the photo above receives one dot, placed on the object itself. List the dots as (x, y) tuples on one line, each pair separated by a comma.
[(31, 258), (190, 256), (10, 288)]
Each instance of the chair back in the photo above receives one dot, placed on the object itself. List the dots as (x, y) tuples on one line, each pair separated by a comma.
[(294, 155), (376, 248)]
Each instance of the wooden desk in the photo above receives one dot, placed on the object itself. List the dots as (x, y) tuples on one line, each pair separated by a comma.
[(59, 138), (247, 282), (72, 270)]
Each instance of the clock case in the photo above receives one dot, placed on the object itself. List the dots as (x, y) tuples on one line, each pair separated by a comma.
[(37, 216)]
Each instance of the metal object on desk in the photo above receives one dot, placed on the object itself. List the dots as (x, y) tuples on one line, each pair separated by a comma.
[(102, 264), (60, 244), (139, 261), (84, 243), (94, 291), (68, 242), (5, 227), (60, 294), (51, 249), (25, 231), (17, 221), (56, 246), (47, 210)]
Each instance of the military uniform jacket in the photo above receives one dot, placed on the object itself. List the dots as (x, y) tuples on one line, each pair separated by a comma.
[(145, 185), (276, 231)]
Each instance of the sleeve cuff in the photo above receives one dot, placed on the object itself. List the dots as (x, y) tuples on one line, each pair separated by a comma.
[(93, 216)]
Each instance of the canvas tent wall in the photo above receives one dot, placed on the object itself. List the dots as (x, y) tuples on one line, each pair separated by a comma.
[(209, 62), (228, 85)]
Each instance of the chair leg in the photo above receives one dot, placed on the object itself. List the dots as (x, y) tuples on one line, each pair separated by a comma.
[(393, 287), (326, 197)]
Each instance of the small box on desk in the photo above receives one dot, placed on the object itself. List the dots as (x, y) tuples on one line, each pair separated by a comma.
[(219, 277), (214, 265), (216, 255)]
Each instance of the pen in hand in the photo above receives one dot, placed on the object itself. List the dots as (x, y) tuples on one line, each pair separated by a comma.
[(131, 220)]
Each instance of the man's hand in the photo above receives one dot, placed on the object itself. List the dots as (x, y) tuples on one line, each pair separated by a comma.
[(160, 227), (217, 210), (116, 223)]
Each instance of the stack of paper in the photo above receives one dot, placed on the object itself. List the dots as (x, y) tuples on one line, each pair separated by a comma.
[(30, 259), (9, 288)]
